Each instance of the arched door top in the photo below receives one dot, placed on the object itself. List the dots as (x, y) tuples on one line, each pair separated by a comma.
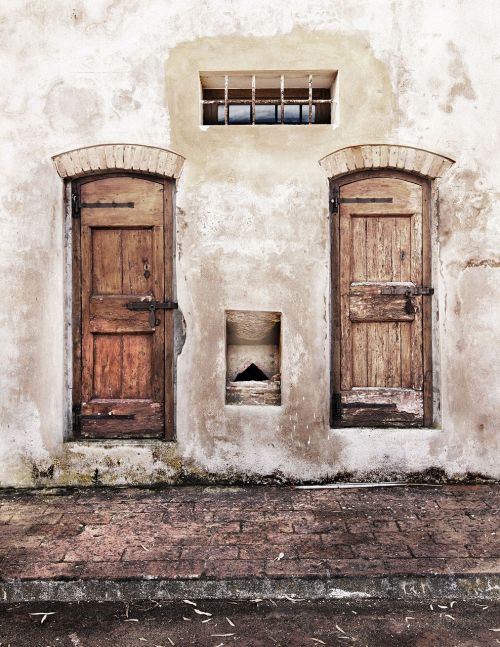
[(379, 156), (118, 157)]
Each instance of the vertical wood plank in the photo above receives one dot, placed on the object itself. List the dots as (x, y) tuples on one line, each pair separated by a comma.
[(359, 354), (137, 261), (108, 364), (358, 249), (404, 226), (335, 303), (137, 366), (345, 282), (385, 228), (106, 261), (406, 358), (372, 249), (76, 307), (393, 357), (87, 341)]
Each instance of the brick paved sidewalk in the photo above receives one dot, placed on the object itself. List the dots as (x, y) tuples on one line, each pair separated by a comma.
[(214, 534)]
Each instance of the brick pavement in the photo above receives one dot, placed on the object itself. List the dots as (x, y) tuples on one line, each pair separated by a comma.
[(216, 533)]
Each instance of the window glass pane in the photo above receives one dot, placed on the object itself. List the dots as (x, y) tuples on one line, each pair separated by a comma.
[(239, 114), (292, 114), (305, 114), (265, 114), (220, 114)]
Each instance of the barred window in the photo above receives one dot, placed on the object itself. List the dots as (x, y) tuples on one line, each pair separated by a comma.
[(268, 98)]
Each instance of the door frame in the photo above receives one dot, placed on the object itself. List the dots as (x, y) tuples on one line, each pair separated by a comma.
[(73, 306), (427, 309)]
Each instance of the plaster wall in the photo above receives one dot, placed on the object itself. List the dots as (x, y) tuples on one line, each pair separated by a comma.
[(251, 222)]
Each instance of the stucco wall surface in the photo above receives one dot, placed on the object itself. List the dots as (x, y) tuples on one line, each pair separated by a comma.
[(252, 227)]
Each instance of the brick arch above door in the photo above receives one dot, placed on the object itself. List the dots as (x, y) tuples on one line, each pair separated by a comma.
[(118, 157), (379, 156)]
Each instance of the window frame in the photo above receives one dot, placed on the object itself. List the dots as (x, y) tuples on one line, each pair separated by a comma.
[(251, 97)]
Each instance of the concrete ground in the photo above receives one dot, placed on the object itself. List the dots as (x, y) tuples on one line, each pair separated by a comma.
[(272, 542), (436, 623)]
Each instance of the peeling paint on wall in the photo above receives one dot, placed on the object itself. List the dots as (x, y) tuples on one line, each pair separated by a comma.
[(252, 229)]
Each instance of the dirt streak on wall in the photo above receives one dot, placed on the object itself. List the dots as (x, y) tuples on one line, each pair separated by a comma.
[(252, 228)]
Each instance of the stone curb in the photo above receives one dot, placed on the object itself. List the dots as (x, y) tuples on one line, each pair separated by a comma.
[(411, 587)]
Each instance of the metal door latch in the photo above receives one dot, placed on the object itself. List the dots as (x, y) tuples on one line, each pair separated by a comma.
[(407, 291), (152, 306)]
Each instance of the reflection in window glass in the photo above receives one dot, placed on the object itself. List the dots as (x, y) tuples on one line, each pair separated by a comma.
[(305, 114), (292, 114), (265, 114), (220, 114), (239, 114)]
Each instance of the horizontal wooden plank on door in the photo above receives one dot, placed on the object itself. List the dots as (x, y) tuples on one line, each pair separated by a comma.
[(384, 407), (145, 196), (366, 307), (147, 420)]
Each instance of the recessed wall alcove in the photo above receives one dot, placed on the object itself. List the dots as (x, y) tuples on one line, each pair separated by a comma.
[(253, 373)]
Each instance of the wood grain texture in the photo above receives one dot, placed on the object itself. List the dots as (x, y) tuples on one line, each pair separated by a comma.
[(381, 407), (123, 258), (379, 338)]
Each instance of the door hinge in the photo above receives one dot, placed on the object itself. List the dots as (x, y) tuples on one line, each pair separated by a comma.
[(108, 416), (334, 200), (336, 405), (77, 414), (75, 205)]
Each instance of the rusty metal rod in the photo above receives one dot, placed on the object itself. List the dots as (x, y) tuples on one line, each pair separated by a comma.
[(269, 102)]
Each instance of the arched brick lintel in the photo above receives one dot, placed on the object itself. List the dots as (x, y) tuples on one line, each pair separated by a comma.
[(118, 157), (378, 156)]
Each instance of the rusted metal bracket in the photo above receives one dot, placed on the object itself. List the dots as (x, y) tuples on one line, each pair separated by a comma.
[(407, 291), (336, 200), (107, 205), (108, 416), (75, 205), (152, 306)]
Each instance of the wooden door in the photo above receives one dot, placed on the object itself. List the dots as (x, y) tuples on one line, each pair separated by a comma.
[(382, 364), (123, 255)]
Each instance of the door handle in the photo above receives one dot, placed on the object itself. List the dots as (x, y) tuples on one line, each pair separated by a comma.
[(152, 306)]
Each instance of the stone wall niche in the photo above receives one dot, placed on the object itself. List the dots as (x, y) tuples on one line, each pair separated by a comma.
[(253, 374)]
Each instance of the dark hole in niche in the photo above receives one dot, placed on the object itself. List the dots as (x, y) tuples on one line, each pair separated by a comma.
[(253, 344), (251, 372)]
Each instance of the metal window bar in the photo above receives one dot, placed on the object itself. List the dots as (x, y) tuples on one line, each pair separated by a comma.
[(278, 103)]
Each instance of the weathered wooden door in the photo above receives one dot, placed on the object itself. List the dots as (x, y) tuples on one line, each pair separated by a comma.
[(381, 276), (123, 264)]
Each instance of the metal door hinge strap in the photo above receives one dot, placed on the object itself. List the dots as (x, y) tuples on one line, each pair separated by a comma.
[(364, 200), (151, 305), (75, 205), (107, 416), (336, 200), (107, 205), (407, 291)]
